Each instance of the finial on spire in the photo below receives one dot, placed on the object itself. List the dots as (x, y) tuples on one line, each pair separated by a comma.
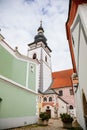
[(40, 29), (41, 23)]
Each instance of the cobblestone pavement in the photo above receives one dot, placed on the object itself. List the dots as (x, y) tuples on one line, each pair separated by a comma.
[(54, 124)]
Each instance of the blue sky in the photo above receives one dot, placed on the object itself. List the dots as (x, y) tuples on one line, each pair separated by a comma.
[(20, 19)]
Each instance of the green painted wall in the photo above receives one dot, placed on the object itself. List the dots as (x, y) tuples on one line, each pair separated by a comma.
[(16, 70), (12, 68), (16, 102), (6, 63), (19, 71)]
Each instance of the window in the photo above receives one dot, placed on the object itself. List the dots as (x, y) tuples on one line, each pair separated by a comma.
[(70, 107), (48, 107), (50, 99), (60, 93), (46, 58), (71, 91), (45, 99), (34, 56)]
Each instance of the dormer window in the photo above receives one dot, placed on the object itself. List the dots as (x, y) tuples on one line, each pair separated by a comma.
[(34, 56)]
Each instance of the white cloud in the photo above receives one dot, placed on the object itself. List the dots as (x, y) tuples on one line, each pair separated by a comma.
[(19, 21)]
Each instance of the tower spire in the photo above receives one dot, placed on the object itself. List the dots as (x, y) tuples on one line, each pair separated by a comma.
[(41, 23)]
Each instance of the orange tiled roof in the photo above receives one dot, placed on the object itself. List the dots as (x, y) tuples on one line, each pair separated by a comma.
[(62, 79)]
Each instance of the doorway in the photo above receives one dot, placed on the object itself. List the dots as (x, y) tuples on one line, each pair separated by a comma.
[(49, 112)]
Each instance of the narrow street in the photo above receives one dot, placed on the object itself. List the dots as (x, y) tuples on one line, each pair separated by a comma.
[(54, 124)]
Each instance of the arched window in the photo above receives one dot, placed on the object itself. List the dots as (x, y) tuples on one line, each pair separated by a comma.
[(45, 99), (50, 99), (34, 56), (70, 107), (46, 58)]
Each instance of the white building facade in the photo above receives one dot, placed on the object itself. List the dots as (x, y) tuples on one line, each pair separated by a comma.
[(78, 34)]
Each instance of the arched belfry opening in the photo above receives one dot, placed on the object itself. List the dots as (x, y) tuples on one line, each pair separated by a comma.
[(34, 56)]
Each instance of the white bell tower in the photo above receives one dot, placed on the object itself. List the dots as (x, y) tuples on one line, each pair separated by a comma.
[(39, 50)]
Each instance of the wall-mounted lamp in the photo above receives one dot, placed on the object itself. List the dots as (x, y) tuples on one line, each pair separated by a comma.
[(75, 82), (75, 87)]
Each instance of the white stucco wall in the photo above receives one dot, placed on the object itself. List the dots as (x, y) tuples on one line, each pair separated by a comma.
[(75, 40), (16, 122), (80, 51), (37, 51), (62, 107), (46, 72), (44, 53), (47, 76), (83, 63)]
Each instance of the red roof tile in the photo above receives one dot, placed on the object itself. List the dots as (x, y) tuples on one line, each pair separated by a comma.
[(62, 79)]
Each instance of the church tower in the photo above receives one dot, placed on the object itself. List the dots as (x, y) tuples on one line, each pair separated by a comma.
[(39, 50)]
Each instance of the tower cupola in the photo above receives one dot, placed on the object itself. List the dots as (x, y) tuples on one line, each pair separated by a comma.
[(40, 36)]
